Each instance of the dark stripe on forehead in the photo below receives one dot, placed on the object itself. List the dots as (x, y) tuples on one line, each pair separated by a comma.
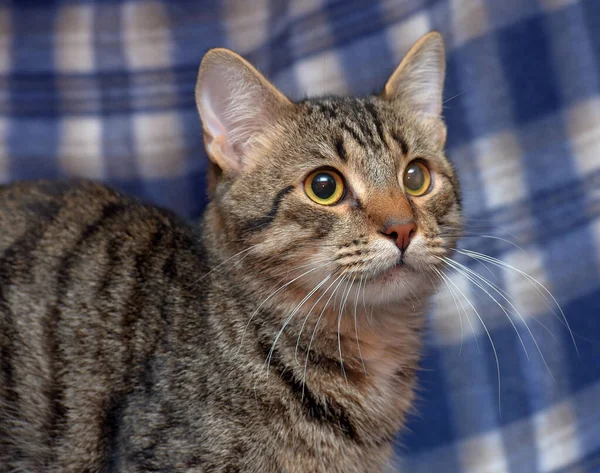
[(339, 147), (377, 122), (353, 134), (361, 118), (401, 143), (262, 222)]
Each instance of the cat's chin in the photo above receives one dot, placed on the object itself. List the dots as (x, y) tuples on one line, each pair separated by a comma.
[(397, 283)]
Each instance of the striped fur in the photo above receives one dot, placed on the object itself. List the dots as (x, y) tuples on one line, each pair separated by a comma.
[(280, 336)]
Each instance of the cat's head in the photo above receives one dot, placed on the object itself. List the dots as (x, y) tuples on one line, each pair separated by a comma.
[(326, 187)]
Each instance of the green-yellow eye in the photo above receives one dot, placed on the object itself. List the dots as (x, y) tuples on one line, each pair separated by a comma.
[(324, 187), (417, 179)]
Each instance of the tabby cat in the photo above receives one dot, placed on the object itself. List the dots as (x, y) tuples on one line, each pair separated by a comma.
[(282, 335)]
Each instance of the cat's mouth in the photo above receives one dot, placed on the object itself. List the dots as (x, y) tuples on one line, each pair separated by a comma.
[(400, 268)]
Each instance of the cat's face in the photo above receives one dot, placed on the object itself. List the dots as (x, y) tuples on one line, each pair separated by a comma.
[(332, 190)]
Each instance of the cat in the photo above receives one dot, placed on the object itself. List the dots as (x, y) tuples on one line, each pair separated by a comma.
[(282, 334)]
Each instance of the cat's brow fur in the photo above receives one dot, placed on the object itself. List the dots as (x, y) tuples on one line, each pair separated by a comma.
[(130, 341)]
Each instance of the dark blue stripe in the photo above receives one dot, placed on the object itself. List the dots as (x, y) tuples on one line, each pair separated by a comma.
[(433, 426), (591, 13), (350, 17), (529, 70), (33, 142)]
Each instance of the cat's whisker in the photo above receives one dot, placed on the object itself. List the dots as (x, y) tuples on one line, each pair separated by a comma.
[(347, 290), (488, 335), (451, 291), (474, 277), (364, 302), (308, 315), (356, 324), (287, 271), (340, 278), (273, 294), (453, 97), (415, 297), (483, 258), (466, 234), (506, 295), (538, 285), (246, 250), (499, 291), (289, 319)]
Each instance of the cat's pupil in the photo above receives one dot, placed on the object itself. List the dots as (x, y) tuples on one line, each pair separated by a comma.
[(323, 185), (414, 178)]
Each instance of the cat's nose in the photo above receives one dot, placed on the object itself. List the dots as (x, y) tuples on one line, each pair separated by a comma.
[(400, 233)]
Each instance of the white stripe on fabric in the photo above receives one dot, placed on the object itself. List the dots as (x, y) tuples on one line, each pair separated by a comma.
[(583, 121), (484, 454), (5, 39), (556, 437), (402, 36), (319, 74), (469, 20), (528, 297), (557, 429), (552, 5), (247, 24), (453, 317), (146, 36), (499, 162), (80, 149), (303, 7), (159, 145), (74, 51)]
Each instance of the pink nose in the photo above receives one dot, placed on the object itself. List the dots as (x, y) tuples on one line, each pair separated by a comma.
[(401, 233)]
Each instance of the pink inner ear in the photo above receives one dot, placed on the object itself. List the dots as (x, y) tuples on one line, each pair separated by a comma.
[(212, 124), (217, 107), (215, 101)]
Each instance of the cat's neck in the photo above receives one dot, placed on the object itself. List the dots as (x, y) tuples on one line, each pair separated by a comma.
[(374, 341), (380, 339), (343, 352)]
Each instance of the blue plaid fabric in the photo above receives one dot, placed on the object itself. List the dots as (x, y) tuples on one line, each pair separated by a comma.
[(105, 90)]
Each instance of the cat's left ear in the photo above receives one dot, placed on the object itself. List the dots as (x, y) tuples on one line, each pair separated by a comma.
[(417, 84), (236, 105)]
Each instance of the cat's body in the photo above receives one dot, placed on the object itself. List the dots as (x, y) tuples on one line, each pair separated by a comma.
[(283, 336)]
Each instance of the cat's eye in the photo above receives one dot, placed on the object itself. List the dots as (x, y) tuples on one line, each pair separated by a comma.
[(417, 179), (325, 187)]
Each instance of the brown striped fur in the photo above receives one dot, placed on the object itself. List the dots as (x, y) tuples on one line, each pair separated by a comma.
[(132, 342)]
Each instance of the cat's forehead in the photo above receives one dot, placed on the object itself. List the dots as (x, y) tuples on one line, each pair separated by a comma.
[(369, 134)]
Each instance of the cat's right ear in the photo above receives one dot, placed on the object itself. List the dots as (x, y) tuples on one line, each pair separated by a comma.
[(236, 105)]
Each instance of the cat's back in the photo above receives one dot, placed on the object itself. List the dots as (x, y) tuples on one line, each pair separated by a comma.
[(50, 226), (46, 218), (85, 280)]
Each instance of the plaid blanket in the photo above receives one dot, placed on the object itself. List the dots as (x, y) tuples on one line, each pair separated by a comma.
[(105, 90)]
